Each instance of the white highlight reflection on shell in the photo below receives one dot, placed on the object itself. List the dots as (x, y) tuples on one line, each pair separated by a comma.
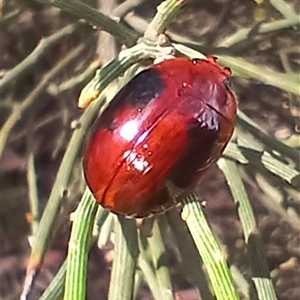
[(129, 130), (137, 161)]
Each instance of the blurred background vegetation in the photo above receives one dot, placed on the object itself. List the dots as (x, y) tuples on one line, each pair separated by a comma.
[(39, 113)]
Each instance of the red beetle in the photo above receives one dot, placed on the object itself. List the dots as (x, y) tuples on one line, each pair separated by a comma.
[(164, 128)]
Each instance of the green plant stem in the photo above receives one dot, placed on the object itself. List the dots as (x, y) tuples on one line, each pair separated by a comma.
[(124, 264), (284, 8), (30, 61), (55, 289), (138, 23), (187, 51), (118, 66), (244, 287), (138, 281), (165, 13), (104, 235), (81, 234), (122, 33), (272, 198), (146, 266), (38, 125), (209, 249), (76, 81), (125, 7), (10, 16), (245, 33), (56, 196), (258, 263), (33, 193), (259, 158), (106, 75), (109, 73), (159, 259), (19, 109), (243, 68), (247, 124), (189, 253)]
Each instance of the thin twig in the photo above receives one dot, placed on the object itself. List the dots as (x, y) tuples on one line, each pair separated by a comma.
[(59, 186), (126, 7), (140, 25), (189, 253), (239, 66), (165, 13), (272, 198), (55, 289), (284, 8), (209, 249), (262, 160), (136, 22), (80, 239), (123, 61), (122, 33), (19, 110), (258, 262), (33, 193), (37, 126), (10, 16), (126, 58), (124, 264), (106, 48), (146, 265), (247, 124), (245, 33), (243, 68), (160, 261), (41, 49), (81, 79)]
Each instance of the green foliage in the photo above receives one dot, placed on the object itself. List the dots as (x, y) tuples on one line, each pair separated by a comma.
[(138, 256)]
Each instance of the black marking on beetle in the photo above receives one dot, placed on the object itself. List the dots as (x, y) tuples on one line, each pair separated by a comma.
[(227, 84), (199, 138), (195, 61), (144, 87)]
